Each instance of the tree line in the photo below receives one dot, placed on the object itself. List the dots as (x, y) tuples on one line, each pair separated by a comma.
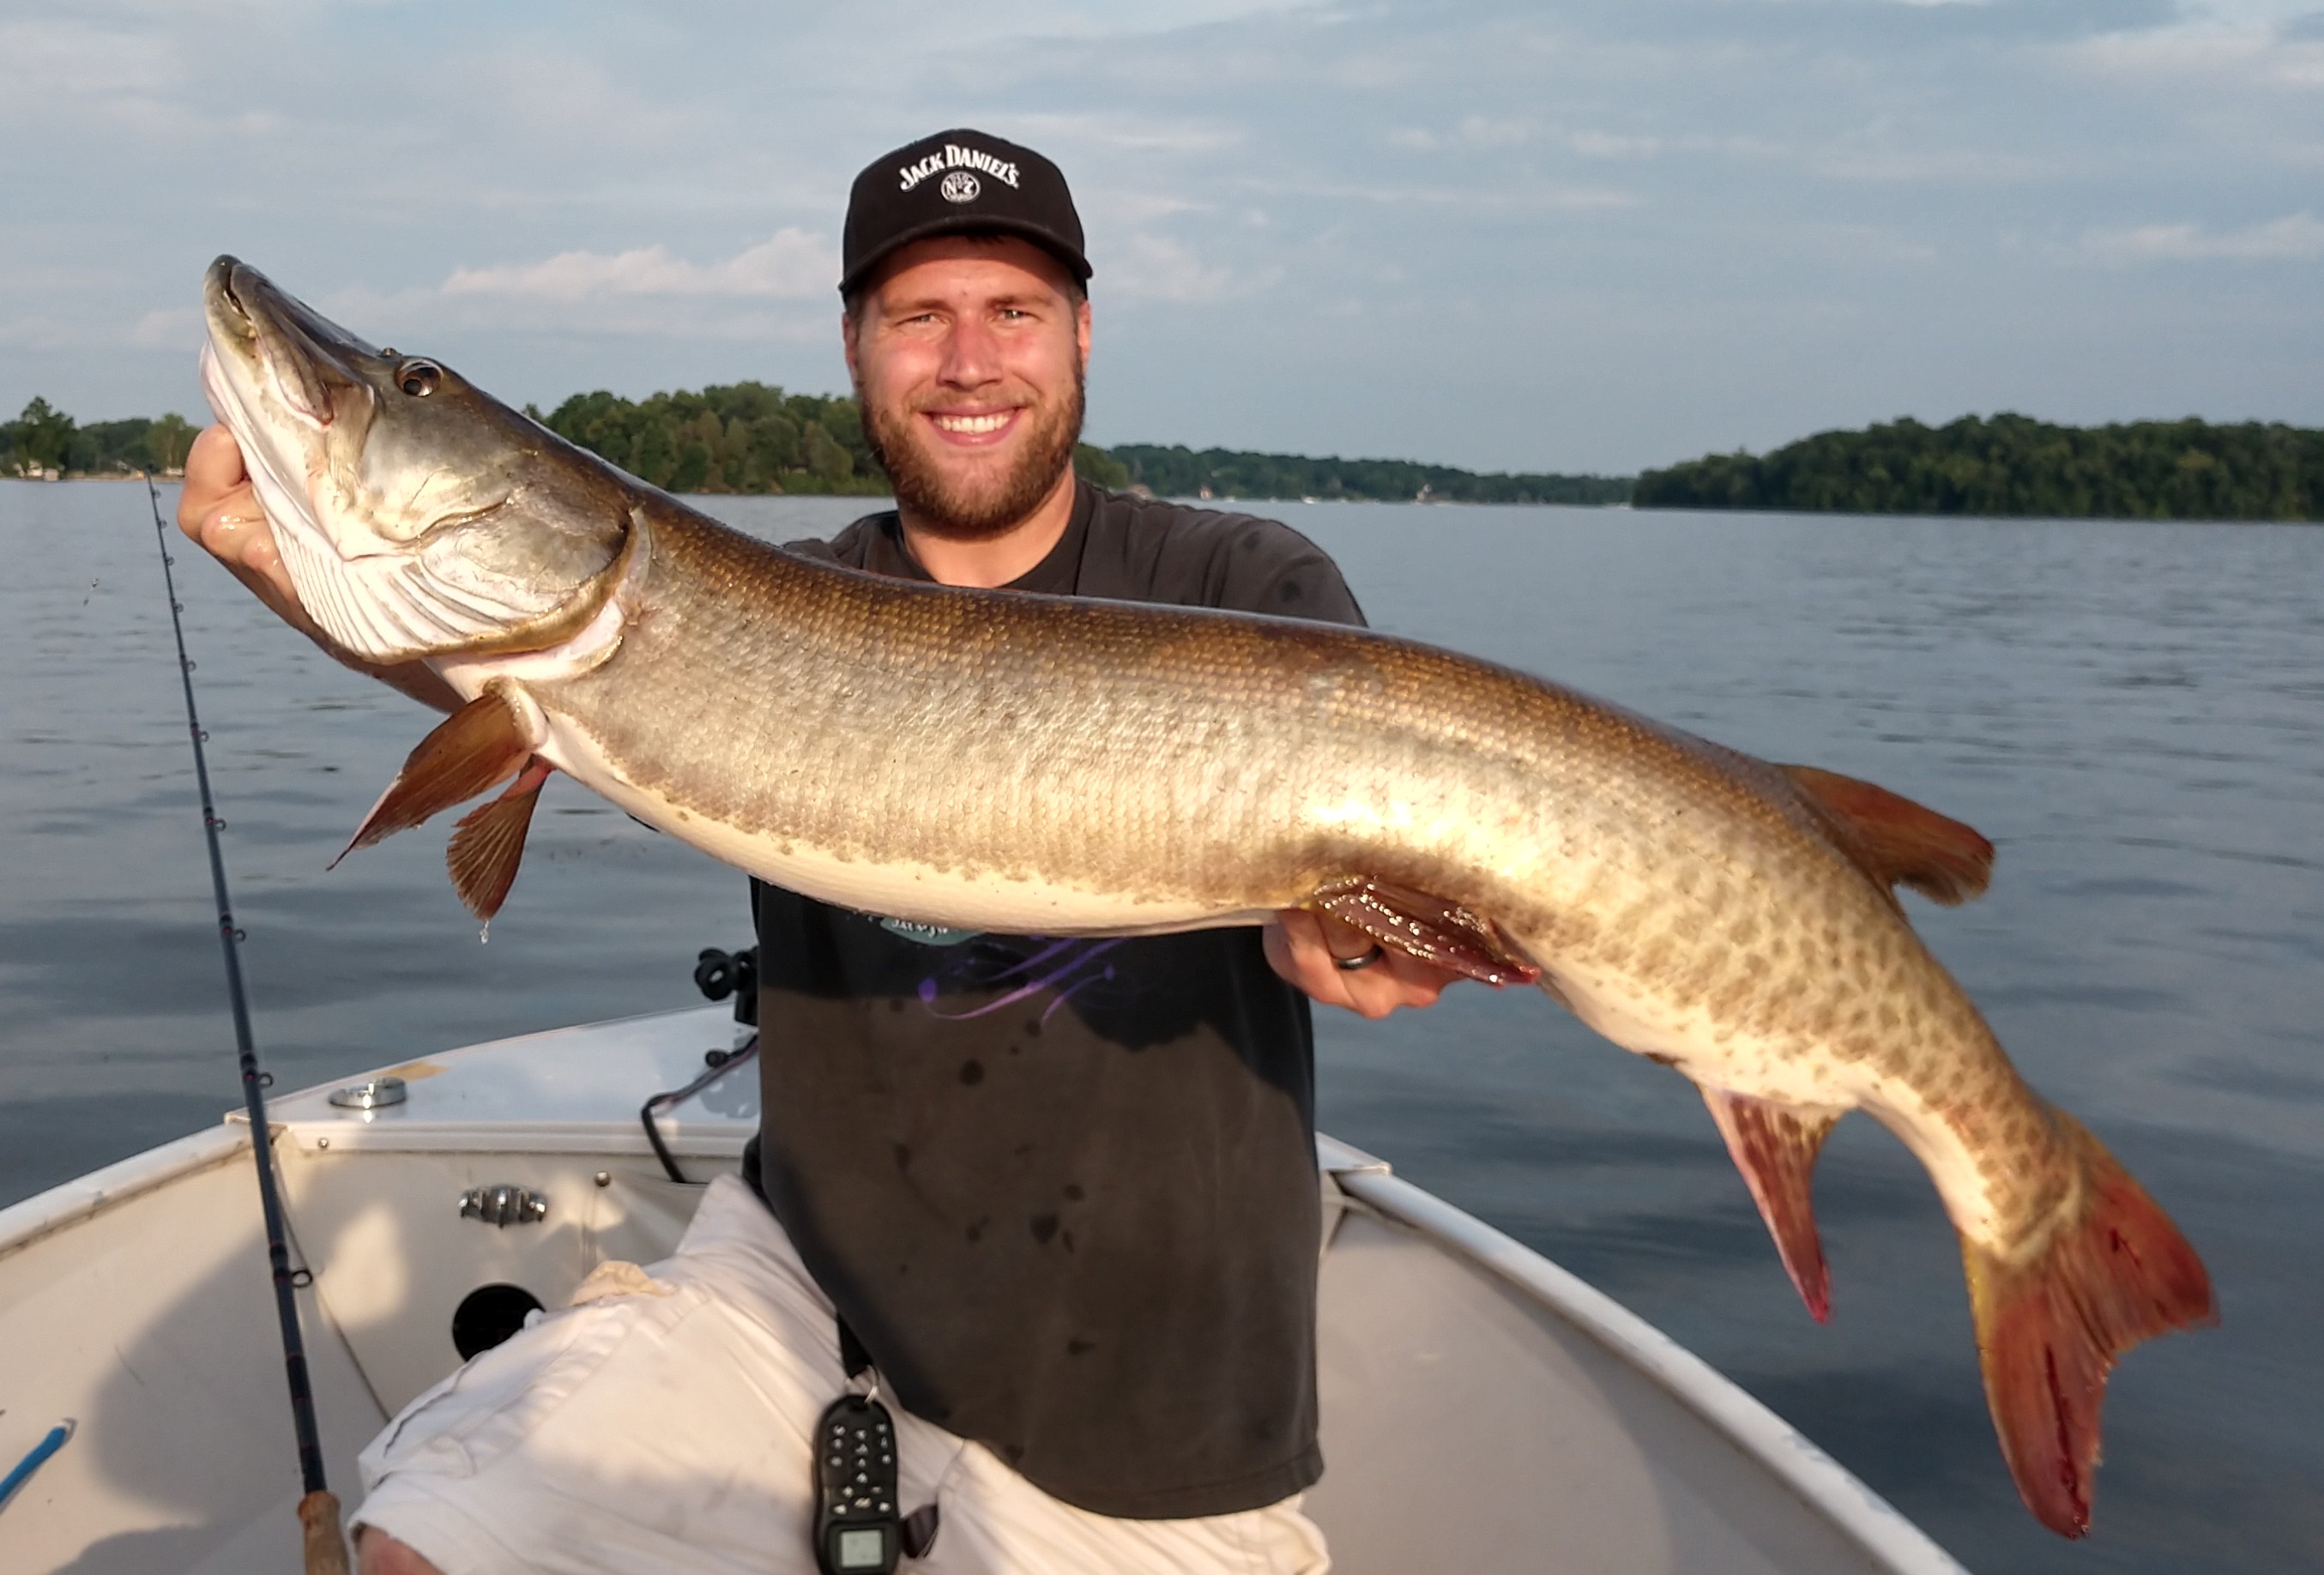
[(755, 437), (45, 441), (1179, 472), (2014, 465), (730, 438)]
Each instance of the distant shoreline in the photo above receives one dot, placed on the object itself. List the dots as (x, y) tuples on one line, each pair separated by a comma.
[(1237, 502), (755, 439), (2014, 467), (97, 476)]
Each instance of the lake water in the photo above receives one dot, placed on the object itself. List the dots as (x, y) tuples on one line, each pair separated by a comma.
[(2135, 713)]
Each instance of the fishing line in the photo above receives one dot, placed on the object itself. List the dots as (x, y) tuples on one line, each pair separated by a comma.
[(286, 1283)]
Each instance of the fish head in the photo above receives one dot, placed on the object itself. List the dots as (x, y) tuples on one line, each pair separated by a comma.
[(418, 516)]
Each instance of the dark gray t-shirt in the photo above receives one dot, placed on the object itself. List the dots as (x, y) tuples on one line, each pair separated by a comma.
[(1063, 1190)]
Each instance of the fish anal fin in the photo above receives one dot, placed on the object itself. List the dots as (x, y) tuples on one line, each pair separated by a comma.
[(1901, 843), (484, 741), (2049, 1327), (1432, 928), (488, 844), (1776, 1147)]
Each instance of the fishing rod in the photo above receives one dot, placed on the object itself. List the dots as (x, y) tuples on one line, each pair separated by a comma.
[(318, 1510)]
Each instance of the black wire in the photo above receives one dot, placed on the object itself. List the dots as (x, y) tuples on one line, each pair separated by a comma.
[(678, 1096), (253, 1081)]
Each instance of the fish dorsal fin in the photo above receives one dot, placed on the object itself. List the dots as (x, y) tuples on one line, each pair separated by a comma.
[(1776, 1147), (488, 844), (1900, 842), (484, 743), (1432, 928)]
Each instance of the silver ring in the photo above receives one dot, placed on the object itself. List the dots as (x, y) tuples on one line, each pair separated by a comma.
[(1363, 961)]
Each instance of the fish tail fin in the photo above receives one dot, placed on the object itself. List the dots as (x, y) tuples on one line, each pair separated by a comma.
[(2050, 1327), (1775, 1147)]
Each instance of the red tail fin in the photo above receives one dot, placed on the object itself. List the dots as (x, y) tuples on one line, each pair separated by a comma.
[(2049, 1330)]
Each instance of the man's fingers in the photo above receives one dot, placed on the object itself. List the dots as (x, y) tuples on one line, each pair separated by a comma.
[(214, 469), (1306, 949), (220, 508)]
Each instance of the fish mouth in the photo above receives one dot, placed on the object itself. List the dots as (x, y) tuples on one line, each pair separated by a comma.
[(311, 361)]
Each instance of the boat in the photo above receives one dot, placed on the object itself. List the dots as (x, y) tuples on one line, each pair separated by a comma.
[(1481, 1408)]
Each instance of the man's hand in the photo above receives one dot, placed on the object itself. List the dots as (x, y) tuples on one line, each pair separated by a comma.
[(219, 510), (1308, 950)]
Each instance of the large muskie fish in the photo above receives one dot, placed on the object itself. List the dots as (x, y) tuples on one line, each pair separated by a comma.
[(984, 760)]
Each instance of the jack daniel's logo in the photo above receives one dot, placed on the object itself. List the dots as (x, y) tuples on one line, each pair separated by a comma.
[(955, 156)]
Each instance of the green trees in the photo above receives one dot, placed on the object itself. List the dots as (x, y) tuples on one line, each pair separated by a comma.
[(1178, 471), (2018, 467), (44, 438), (754, 437), (39, 439), (1093, 464), (734, 438)]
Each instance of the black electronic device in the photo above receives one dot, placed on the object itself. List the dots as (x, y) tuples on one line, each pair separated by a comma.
[(857, 1528)]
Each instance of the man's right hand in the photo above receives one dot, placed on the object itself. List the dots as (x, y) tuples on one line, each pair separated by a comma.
[(220, 508)]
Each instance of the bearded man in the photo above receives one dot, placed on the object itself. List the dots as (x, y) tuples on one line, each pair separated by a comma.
[(1056, 1200)]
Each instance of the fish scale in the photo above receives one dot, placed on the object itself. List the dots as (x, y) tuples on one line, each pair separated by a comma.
[(982, 760)]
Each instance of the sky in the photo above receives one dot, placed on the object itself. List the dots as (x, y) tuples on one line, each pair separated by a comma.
[(1592, 236)]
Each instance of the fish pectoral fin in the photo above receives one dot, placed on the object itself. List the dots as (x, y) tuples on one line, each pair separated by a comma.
[(1432, 928), (1898, 842), (484, 741), (1776, 1147), (2049, 1326), (488, 844)]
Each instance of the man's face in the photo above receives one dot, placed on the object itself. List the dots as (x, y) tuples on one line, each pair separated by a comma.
[(968, 355)]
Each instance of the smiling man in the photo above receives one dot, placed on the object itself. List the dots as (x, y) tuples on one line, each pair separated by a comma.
[(1056, 1200)]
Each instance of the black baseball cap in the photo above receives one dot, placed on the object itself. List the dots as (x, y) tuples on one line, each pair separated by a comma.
[(956, 181)]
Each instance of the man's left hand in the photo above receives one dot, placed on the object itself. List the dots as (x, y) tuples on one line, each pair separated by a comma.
[(1311, 951)]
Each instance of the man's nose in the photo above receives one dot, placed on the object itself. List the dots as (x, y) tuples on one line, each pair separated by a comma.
[(971, 355)]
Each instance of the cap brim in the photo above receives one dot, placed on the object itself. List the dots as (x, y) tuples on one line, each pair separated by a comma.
[(970, 223)]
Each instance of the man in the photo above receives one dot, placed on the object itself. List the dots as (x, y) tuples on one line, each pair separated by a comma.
[(1061, 1194)]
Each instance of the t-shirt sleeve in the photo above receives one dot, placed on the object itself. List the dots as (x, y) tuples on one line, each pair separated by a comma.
[(1144, 550), (1269, 567), (849, 549)]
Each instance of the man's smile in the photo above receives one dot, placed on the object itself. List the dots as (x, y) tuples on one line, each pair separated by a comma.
[(975, 428)]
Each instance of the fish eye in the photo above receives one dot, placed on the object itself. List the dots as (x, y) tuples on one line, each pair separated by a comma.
[(418, 378)]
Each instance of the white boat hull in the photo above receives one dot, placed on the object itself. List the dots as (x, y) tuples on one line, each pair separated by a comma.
[(1481, 1409)]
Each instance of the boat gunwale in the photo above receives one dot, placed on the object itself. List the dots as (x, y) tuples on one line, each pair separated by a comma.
[(1827, 1487), (34, 1219)]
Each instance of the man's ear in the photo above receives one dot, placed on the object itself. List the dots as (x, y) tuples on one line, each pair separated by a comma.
[(1080, 331), (847, 342)]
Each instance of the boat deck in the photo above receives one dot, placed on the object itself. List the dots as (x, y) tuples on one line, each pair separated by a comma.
[(1481, 1409)]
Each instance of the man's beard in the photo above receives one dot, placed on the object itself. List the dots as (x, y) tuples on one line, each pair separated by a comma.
[(988, 506)]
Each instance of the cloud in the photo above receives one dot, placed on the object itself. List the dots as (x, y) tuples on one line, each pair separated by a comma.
[(1586, 235), (2295, 238), (1153, 268), (790, 264)]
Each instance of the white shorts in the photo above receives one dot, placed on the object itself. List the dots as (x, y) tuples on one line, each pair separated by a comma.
[(661, 1424)]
